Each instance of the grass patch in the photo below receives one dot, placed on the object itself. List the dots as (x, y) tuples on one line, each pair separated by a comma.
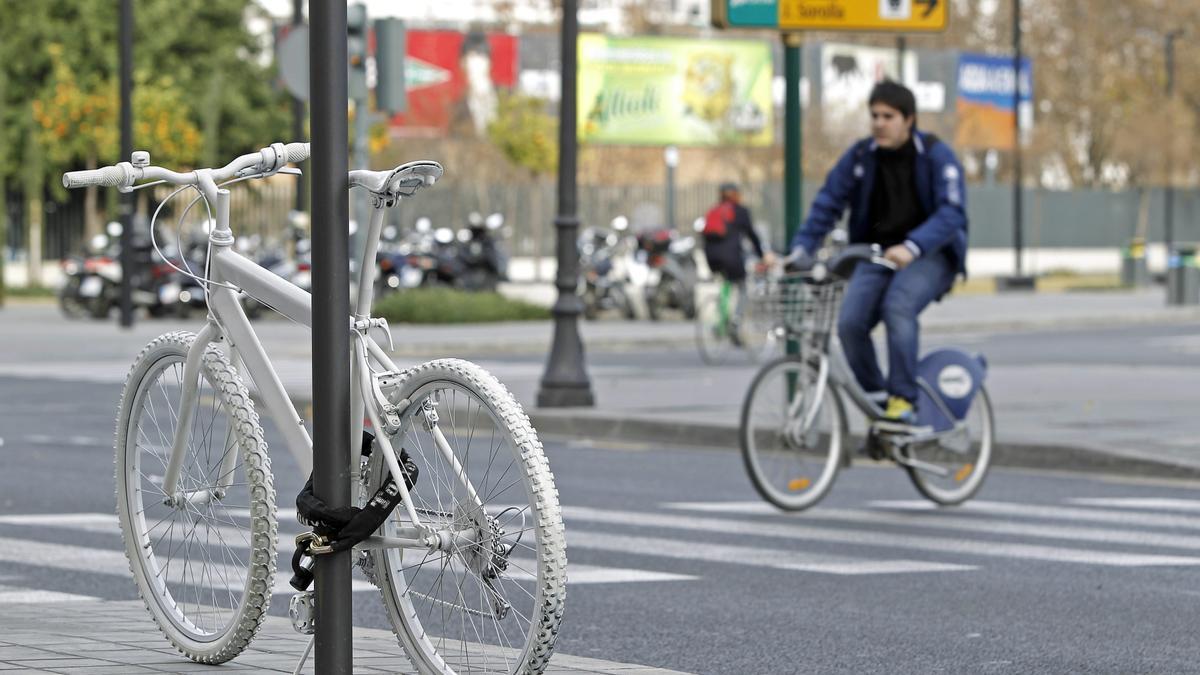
[(447, 305), (29, 292)]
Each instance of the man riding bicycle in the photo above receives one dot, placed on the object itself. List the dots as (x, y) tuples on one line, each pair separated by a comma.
[(904, 189)]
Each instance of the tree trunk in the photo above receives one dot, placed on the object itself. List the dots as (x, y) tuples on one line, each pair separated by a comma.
[(92, 222), (3, 238), (34, 232)]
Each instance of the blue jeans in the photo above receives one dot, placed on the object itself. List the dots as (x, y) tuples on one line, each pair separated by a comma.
[(876, 294)]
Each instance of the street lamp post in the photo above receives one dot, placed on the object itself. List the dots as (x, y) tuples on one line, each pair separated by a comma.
[(565, 382), (671, 159)]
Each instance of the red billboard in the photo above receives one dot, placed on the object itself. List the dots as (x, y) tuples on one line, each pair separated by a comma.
[(452, 79)]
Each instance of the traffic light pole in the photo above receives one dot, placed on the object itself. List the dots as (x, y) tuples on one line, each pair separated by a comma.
[(330, 330)]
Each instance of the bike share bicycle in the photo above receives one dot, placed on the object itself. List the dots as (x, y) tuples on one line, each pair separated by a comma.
[(794, 428), (456, 517)]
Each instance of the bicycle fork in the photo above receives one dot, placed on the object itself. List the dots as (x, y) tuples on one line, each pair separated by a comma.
[(800, 417)]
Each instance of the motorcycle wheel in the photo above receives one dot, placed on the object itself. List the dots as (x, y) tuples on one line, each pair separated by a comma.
[(68, 300), (590, 309), (98, 307)]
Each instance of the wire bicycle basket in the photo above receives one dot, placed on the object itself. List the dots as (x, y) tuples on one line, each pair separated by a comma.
[(804, 307)]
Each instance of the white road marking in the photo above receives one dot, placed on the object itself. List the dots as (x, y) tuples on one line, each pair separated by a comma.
[(947, 520), (877, 539), (798, 561), (1147, 503), (1054, 512)]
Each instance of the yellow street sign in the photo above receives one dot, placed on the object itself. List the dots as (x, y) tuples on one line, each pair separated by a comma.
[(863, 15), (899, 16)]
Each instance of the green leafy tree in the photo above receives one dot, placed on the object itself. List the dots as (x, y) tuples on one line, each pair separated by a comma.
[(525, 134), (196, 65)]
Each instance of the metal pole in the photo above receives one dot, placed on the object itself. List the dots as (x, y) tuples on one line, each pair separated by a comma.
[(330, 328), (298, 112), (1018, 212), (901, 47), (126, 200), (565, 382), (671, 159), (793, 138), (1169, 187)]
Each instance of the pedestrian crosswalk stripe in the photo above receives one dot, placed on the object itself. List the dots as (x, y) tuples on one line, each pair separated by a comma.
[(801, 561), (877, 538), (107, 561), (945, 520), (11, 595), (1148, 503), (1054, 512)]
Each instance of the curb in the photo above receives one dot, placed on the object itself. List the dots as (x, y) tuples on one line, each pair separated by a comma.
[(591, 427)]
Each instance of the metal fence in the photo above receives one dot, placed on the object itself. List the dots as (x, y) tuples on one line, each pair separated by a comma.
[(1070, 219)]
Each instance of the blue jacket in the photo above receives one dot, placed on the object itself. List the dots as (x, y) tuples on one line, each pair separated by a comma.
[(939, 181)]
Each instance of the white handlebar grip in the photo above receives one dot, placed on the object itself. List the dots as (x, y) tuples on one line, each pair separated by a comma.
[(109, 176), (295, 152)]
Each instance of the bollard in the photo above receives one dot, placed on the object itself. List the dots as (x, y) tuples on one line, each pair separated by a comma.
[(1183, 277), (1134, 272)]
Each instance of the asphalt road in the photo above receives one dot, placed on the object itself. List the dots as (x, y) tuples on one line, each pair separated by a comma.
[(1042, 573)]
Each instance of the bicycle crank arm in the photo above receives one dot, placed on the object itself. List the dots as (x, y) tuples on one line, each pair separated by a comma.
[(917, 464)]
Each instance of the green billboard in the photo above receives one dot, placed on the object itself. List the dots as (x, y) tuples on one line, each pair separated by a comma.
[(674, 91)]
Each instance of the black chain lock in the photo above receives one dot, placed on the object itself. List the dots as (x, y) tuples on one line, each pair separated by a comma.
[(340, 528)]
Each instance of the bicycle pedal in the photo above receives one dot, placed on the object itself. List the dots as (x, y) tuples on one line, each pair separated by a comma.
[(303, 611)]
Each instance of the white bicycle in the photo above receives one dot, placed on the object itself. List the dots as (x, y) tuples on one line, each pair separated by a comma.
[(471, 565)]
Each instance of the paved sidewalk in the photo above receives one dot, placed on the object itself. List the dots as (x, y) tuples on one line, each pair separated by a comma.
[(99, 638)]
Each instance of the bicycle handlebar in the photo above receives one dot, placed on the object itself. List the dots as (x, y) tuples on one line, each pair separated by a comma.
[(123, 175)]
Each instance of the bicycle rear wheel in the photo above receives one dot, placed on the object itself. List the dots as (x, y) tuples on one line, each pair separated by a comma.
[(205, 564), (792, 433), (713, 332), (963, 456), (491, 600)]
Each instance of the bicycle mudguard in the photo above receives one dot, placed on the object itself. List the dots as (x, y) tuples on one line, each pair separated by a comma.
[(954, 377)]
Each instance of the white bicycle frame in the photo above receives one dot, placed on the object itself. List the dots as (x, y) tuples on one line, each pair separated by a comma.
[(228, 322)]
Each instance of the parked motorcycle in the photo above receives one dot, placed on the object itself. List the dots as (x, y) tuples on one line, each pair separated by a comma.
[(92, 285), (482, 261), (603, 271), (672, 281)]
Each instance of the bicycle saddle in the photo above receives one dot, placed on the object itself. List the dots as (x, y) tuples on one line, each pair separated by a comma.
[(402, 181)]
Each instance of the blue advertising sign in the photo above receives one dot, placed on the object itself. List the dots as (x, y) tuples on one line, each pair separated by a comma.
[(985, 101)]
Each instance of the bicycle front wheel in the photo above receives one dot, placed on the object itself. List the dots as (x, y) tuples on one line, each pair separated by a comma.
[(203, 558), (792, 433), (491, 599), (957, 461)]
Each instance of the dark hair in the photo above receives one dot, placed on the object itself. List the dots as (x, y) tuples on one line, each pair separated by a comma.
[(894, 95), (727, 187)]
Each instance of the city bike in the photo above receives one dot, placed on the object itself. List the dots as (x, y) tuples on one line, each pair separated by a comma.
[(471, 562), (794, 430), (728, 322)]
